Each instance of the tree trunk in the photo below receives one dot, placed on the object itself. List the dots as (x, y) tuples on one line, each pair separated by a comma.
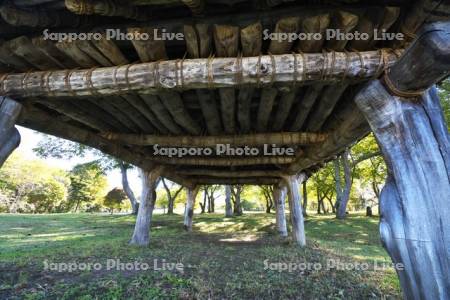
[(305, 199), (189, 212), (337, 179), (141, 235), (228, 208), (413, 137), (341, 210), (237, 209), (415, 200), (9, 135), (203, 205), (298, 226), (127, 189), (279, 196)]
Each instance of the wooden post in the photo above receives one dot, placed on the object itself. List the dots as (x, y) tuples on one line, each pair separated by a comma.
[(228, 207), (414, 140), (9, 135), (141, 235), (295, 208), (189, 212), (279, 197)]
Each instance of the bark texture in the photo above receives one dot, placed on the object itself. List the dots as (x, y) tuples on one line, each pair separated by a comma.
[(279, 197), (141, 234), (189, 212), (228, 207), (9, 135), (295, 208), (415, 200)]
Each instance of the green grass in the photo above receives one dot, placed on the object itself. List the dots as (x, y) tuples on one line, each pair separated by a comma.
[(221, 258)]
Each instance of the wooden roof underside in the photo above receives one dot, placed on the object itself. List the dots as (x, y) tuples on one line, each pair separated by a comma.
[(313, 108)]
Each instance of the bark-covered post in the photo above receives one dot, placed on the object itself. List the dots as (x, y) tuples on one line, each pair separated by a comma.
[(190, 203), (295, 208), (413, 137), (9, 135), (150, 179), (279, 197), (228, 207)]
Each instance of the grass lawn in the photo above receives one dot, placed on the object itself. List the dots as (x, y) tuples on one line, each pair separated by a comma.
[(238, 258)]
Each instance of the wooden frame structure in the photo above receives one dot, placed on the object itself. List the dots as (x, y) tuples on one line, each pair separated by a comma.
[(225, 84)]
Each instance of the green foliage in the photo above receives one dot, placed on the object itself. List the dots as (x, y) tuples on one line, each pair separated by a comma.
[(87, 185), (444, 94), (114, 199), (31, 186)]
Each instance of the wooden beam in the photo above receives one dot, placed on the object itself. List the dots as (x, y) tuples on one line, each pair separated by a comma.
[(150, 49), (232, 181), (198, 73), (196, 6), (225, 162), (161, 113), (16, 16), (199, 45), (251, 41), (348, 125), (230, 174), (108, 8), (174, 104), (9, 135), (226, 41), (280, 138)]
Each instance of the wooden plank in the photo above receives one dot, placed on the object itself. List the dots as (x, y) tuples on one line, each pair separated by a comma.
[(198, 43), (174, 104), (226, 41), (162, 113)]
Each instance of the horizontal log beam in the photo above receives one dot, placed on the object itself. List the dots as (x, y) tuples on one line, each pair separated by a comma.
[(200, 73), (231, 181), (282, 138), (230, 174), (224, 162)]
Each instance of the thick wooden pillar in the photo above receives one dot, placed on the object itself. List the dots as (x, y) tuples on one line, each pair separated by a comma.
[(279, 197), (295, 208), (228, 206), (9, 135), (190, 203), (141, 234), (413, 137)]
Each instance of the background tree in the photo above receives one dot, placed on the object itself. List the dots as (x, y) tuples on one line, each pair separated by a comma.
[(54, 147), (31, 186), (267, 191), (236, 191), (114, 199), (172, 194), (87, 185)]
